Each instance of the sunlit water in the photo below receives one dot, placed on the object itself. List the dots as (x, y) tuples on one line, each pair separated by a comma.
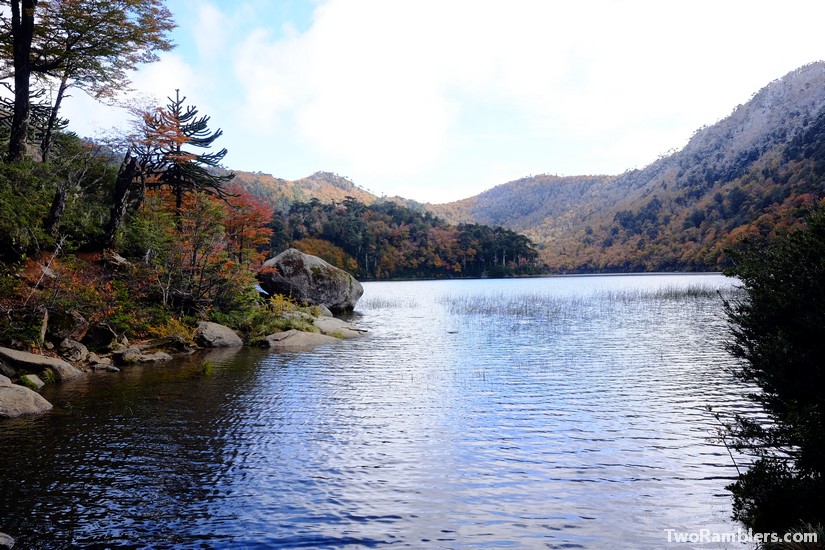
[(536, 413)]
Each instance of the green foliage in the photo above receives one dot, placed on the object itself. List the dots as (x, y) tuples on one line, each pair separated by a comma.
[(49, 377), (778, 330), (264, 317), (388, 241), (24, 202), (28, 384), (174, 328)]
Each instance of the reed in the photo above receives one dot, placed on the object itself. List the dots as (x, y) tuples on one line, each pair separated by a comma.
[(380, 302), (550, 306)]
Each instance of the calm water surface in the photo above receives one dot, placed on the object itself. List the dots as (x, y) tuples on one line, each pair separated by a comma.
[(535, 413)]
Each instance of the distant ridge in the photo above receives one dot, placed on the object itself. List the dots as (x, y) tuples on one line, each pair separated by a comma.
[(755, 171), (324, 186)]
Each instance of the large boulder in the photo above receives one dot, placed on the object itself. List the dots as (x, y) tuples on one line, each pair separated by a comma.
[(310, 279), (31, 362), (213, 335), (60, 325), (18, 401)]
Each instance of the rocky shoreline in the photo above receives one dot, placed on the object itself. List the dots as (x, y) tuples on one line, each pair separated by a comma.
[(23, 373)]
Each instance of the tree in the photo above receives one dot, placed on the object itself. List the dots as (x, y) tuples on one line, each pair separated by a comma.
[(246, 227), (93, 45), (778, 330), (88, 44), (21, 34), (165, 161)]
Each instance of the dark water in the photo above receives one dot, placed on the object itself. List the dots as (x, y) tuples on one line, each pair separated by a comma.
[(541, 413)]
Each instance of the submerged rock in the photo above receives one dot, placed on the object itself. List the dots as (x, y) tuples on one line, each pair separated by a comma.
[(6, 542), (310, 279)]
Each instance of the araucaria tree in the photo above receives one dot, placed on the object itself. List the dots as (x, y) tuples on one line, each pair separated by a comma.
[(778, 330), (163, 149)]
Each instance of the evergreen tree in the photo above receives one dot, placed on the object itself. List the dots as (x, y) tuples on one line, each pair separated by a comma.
[(778, 330), (167, 162)]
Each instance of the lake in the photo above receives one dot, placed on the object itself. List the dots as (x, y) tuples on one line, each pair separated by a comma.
[(563, 412)]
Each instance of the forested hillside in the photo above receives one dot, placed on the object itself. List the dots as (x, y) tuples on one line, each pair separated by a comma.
[(755, 172), (385, 240)]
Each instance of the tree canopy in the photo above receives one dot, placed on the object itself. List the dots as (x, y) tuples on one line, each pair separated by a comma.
[(87, 44), (778, 330), (386, 241), (167, 135)]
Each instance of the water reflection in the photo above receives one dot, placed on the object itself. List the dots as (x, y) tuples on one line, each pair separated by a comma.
[(582, 424)]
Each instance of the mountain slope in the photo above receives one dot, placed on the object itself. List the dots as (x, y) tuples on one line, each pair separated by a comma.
[(280, 193), (756, 171)]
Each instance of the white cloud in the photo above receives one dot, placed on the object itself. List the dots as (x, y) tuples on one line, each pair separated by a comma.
[(426, 96)]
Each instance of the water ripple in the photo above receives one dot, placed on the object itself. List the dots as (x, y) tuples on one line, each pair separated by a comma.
[(552, 413)]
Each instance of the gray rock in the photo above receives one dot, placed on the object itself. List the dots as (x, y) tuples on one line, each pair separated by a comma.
[(127, 355), (295, 340), (32, 380), (155, 357), (332, 326), (73, 350), (6, 542), (38, 363), (324, 310), (96, 360), (310, 279), (213, 335), (66, 324), (18, 401), (6, 370), (117, 261), (134, 354), (298, 316), (5, 380)]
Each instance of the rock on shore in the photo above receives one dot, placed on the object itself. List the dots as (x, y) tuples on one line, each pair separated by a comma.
[(296, 340), (38, 363), (310, 279), (18, 401), (213, 335)]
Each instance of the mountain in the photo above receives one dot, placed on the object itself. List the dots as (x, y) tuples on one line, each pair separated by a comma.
[(754, 172), (280, 193)]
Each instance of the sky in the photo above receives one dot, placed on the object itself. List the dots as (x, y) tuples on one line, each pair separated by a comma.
[(438, 100)]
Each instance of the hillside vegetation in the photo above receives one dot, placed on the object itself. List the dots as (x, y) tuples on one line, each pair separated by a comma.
[(755, 172)]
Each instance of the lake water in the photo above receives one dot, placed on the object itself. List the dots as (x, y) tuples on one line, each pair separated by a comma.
[(565, 412)]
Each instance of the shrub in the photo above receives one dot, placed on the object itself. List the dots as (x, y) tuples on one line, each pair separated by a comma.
[(778, 330)]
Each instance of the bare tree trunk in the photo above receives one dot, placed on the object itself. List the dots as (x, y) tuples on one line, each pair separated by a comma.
[(46, 146), (126, 174), (56, 211), (22, 29)]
